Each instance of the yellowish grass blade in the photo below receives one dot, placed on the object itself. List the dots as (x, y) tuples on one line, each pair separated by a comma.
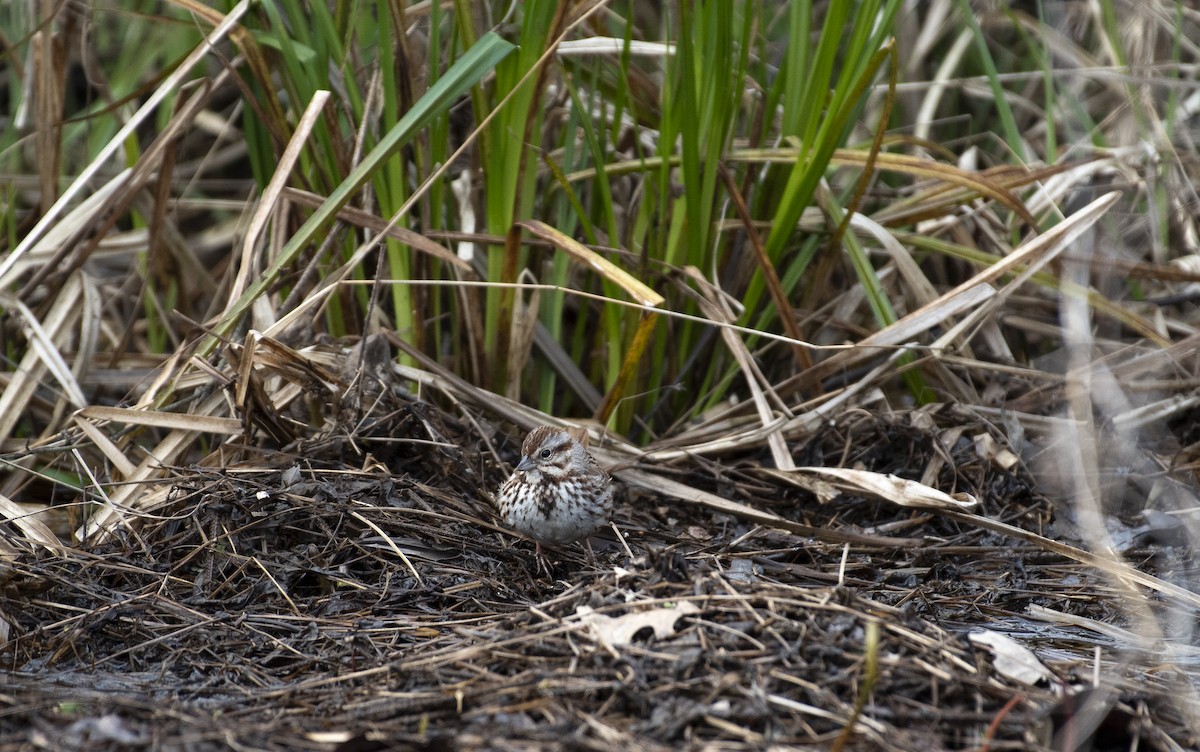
[(269, 201), (33, 528), (159, 419), (635, 288), (43, 355)]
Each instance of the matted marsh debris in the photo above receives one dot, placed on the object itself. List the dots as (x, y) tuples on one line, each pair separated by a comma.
[(272, 545), (356, 592)]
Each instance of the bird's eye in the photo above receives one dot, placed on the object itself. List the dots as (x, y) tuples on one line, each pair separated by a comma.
[(545, 454)]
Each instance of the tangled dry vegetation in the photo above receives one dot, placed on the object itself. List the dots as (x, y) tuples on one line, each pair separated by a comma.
[(272, 538), (352, 589)]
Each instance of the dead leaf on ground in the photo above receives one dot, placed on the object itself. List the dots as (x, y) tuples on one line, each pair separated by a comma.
[(1012, 659), (618, 632), (905, 493)]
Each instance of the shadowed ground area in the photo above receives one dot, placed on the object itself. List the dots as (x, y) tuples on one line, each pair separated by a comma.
[(358, 593)]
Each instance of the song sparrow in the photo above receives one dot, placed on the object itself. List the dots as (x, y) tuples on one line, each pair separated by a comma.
[(558, 493)]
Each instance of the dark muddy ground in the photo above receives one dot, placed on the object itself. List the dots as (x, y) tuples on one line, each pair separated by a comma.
[(361, 595)]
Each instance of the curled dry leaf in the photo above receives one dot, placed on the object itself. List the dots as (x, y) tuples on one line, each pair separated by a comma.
[(906, 493), (1013, 659), (617, 632)]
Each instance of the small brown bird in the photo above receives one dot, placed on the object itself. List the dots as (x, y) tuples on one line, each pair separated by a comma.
[(558, 492)]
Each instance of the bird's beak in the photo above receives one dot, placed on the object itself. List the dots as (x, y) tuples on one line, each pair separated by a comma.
[(526, 464)]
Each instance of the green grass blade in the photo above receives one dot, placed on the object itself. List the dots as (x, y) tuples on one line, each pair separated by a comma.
[(465, 73), (1012, 134)]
